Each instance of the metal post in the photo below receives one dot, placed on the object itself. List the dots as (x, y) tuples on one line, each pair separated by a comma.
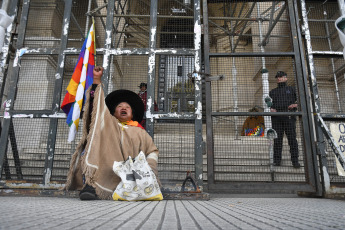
[(13, 83), (87, 19), (57, 94), (234, 73), (107, 45), (265, 93), (209, 124), (308, 132), (332, 61), (152, 68), (198, 96), (316, 102), (234, 89), (12, 12)]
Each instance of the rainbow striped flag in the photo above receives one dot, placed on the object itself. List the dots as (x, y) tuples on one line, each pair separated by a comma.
[(81, 80)]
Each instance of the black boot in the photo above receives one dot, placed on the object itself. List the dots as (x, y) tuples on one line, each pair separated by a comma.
[(296, 165), (88, 193)]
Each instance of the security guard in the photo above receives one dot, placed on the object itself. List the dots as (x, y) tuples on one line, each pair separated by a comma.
[(284, 100)]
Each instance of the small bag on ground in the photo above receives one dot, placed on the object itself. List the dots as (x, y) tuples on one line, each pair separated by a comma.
[(138, 181)]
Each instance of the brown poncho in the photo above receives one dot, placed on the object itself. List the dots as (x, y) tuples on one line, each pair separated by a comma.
[(107, 141)]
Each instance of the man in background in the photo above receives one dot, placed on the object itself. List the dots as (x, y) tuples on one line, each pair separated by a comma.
[(284, 100)]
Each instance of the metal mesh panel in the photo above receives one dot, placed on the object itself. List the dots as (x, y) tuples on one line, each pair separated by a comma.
[(175, 24), (175, 141), (35, 90), (321, 18), (79, 24), (240, 28), (243, 85), (329, 71), (44, 24), (129, 72), (331, 84), (64, 150), (133, 31), (247, 158), (27, 149)]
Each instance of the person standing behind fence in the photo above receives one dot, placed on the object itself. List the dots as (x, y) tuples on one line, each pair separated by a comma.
[(284, 100), (143, 95)]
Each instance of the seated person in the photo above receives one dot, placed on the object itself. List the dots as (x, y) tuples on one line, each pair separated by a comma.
[(253, 125), (111, 132)]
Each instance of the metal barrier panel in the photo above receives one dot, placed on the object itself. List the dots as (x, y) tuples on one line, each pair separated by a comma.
[(326, 66), (254, 45), (137, 42), (242, 152)]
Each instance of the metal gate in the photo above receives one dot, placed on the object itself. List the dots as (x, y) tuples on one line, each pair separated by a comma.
[(245, 43), (249, 42), (153, 42)]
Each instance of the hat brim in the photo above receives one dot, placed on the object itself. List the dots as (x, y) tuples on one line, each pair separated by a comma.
[(123, 95)]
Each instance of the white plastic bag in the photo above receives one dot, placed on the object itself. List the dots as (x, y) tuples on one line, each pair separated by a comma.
[(138, 181)]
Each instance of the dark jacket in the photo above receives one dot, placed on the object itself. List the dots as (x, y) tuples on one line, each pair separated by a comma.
[(282, 97)]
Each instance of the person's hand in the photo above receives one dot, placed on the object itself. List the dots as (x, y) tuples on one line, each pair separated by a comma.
[(292, 106), (273, 110), (97, 74)]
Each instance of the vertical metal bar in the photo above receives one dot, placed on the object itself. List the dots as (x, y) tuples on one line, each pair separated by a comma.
[(87, 19), (234, 88), (302, 91), (118, 23), (152, 68), (107, 45), (13, 82), (5, 57), (265, 93), (57, 94), (208, 93), (233, 69), (316, 103), (332, 59), (6, 166), (101, 18), (198, 96), (14, 147)]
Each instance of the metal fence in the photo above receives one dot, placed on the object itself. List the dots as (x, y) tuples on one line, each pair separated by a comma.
[(159, 43), (326, 66)]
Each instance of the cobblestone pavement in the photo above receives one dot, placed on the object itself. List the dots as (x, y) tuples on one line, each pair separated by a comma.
[(220, 212)]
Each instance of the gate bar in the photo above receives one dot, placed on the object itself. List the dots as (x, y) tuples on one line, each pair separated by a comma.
[(316, 102), (307, 124), (198, 96), (49, 161), (107, 45), (152, 68), (209, 124), (13, 83)]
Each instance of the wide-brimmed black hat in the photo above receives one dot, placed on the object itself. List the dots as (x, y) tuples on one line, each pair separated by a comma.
[(142, 84), (281, 74), (122, 95)]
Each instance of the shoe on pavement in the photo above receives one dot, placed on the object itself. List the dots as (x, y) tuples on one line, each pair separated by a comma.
[(88, 193)]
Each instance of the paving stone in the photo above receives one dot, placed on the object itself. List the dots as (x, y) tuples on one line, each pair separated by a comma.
[(220, 212)]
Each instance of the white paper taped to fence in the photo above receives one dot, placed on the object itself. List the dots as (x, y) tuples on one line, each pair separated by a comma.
[(138, 181), (338, 133)]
